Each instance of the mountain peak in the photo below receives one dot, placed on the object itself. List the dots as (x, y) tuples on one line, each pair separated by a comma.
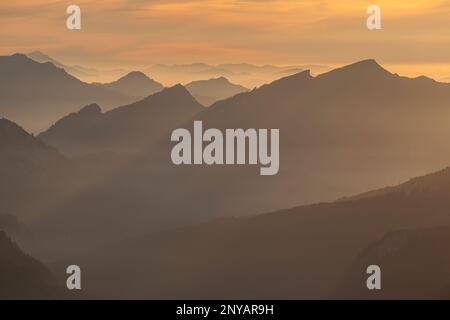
[(135, 84), (221, 79), (92, 108), (19, 57), (134, 75), (22, 63), (176, 90), (9, 126), (368, 67), (13, 135), (38, 54), (368, 64)]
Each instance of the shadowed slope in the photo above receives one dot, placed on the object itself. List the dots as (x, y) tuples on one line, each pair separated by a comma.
[(303, 252), (35, 94), (23, 277), (128, 128)]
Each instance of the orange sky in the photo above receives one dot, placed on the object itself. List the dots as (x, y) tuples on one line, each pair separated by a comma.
[(415, 37)]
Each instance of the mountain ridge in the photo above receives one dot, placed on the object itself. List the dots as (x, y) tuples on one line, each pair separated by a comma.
[(134, 84), (128, 127), (209, 91), (35, 94)]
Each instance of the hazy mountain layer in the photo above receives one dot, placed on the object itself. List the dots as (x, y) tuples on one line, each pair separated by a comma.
[(248, 75), (76, 71), (317, 251), (37, 94), (134, 84), (346, 131), (23, 277), (129, 128), (209, 91)]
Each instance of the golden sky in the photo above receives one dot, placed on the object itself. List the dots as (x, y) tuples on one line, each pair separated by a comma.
[(415, 37)]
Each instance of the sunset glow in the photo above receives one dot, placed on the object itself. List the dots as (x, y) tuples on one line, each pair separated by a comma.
[(133, 34)]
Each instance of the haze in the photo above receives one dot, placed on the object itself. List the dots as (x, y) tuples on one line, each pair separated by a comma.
[(134, 34)]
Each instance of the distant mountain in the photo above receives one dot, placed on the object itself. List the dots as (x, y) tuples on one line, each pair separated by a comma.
[(248, 75), (85, 74), (36, 94), (307, 252), (134, 84), (23, 277), (209, 91), (250, 68), (193, 68), (289, 72), (127, 128), (76, 71)]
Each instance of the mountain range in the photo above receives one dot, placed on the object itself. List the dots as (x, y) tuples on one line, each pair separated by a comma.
[(128, 128), (38, 90), (209, 91), (37, 94), (307, 252), (248, 75), (85, 74), (76, 71), (343, 132), (134, 84)]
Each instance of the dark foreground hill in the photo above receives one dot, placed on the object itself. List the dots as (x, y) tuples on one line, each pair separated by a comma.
[(23, 277), (415, 264), (316, 251)]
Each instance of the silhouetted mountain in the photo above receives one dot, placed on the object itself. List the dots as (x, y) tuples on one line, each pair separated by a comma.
[(23, 277), (303, 252), (209, 91), (76, 71), (14, 138), (427, 183), (134, 84), (85, 74), (28, 168), (414, 265), (343, 132), (36, 94), (128, 128), (10, 224)]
